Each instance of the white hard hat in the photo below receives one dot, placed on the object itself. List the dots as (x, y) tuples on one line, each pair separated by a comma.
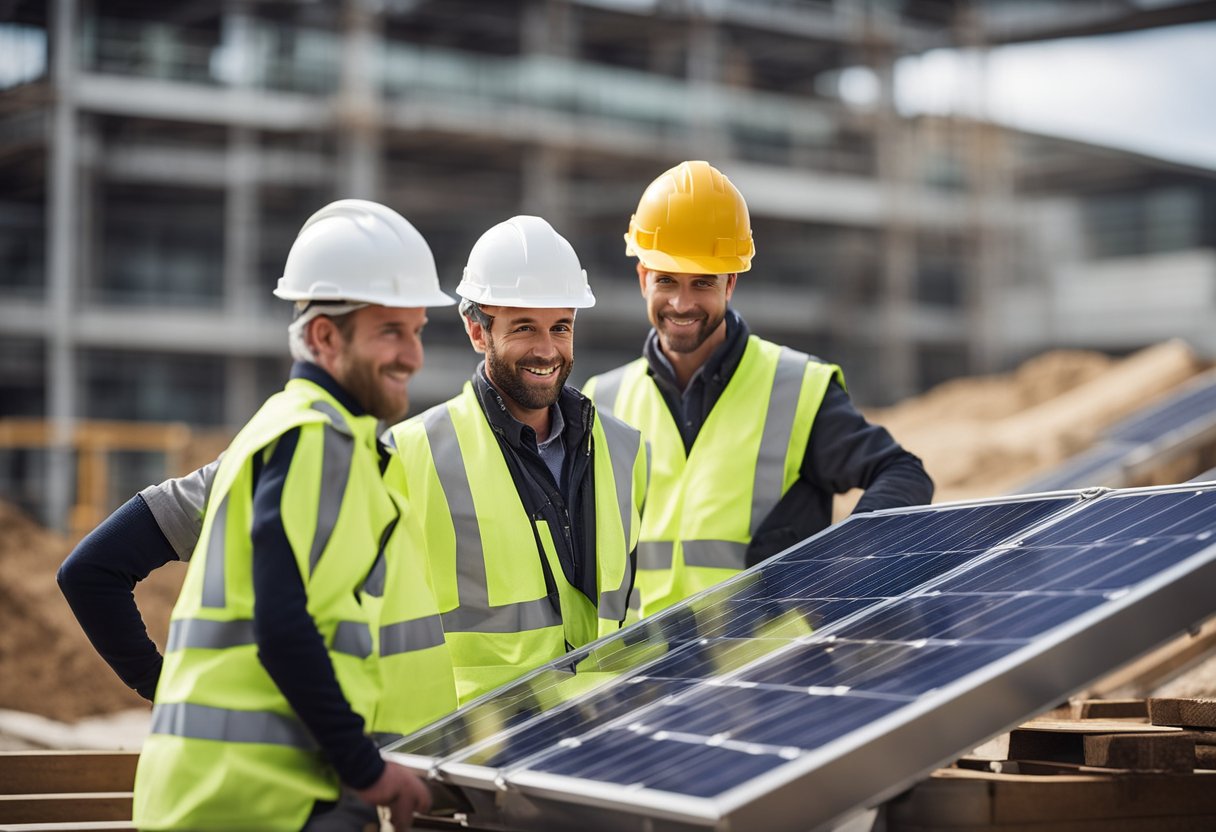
[(355, 250), (523, 262)]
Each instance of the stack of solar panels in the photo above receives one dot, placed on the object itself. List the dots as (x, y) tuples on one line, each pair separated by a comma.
[(835, 674), (1151, 436)]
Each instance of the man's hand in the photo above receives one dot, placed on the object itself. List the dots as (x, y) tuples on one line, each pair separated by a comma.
[(401, 791)]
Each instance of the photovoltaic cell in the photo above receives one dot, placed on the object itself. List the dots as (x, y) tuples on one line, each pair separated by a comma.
[(763, 674), (1189, 409)]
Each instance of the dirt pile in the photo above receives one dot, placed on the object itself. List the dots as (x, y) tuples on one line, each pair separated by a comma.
[(983, 436), (47, 666)]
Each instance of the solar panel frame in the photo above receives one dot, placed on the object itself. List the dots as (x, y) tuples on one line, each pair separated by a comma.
[(1021, 684)]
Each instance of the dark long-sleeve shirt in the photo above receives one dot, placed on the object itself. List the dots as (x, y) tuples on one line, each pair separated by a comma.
[(844, 452), (99, 574)]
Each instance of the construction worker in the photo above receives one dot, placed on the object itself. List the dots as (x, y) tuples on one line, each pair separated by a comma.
[(271, 677), (529, 498), (589, 490), (750, 439)]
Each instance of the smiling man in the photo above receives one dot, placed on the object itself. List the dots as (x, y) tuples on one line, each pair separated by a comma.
[(269, 687), (529, 498), (750, 439)]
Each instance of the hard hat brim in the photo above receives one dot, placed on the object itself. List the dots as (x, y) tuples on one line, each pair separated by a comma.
[(662, 262), (479, 294), (424, 299)]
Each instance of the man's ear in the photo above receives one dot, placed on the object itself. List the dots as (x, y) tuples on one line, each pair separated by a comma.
[(642, 277), (324, 337), (730, 284), (477, 334)]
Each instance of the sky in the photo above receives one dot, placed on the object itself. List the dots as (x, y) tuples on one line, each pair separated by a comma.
[(1152, 91)]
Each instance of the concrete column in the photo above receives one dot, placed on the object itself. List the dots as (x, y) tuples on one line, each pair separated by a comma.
[(895, 142), (709, 137), (61, 237), (359, 103)]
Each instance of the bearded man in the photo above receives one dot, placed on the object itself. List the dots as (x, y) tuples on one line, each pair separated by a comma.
[(529, 499)]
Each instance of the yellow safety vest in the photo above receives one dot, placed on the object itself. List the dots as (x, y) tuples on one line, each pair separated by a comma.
[(704, 506), (483, 547), (226, 751)]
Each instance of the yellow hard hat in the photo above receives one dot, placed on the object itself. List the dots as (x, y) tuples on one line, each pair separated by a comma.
[(692, 220)]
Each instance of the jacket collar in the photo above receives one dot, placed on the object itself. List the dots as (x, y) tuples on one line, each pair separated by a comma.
[(577, 413), (318, 376)]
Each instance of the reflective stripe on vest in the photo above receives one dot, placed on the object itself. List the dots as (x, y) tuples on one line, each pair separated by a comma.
[(623, 444), (474, 614), (337, 453), (407, 636), (201, 722), (352, 638)]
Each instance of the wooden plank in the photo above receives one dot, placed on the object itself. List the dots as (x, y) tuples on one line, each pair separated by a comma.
[(59, 808), (1111, 709), (42, 772), (958, 798), (1062, 741), (1189, 713), (1143, 752), (1205, 756)]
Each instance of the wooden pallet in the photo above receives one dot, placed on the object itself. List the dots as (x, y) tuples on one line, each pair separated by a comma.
[(1117, 774), (66, 790)]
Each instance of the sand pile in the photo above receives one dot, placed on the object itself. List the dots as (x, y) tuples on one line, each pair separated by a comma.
[(981, 437), (47, 666)]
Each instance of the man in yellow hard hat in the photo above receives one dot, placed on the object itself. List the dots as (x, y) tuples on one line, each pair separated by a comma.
[(750, 440)]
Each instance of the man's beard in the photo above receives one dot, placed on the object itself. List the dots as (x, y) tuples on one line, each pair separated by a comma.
[(509, 379), (678, 340), (362, 383)]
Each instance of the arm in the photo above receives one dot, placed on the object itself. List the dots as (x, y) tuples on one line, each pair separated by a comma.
[(97, 580), (846, 451), (289, 645)]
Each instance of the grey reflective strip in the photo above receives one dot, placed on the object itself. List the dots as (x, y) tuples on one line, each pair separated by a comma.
[(623, 443), (408, 636), (719, 554), (507, 618), (373, 584), (214, 593), (337, 454), (353, 638), (775, 440), (200, 722), (655, 554), (204, 634), (635, 599), (474, 614), (608, 387), (336, 419)]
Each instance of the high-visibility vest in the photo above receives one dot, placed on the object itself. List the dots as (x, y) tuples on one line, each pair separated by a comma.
[(704, 506), (226, 751), (498, 618)]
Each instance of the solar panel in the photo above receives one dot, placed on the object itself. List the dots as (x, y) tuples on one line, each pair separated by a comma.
[(1191, 408), (838, 672)]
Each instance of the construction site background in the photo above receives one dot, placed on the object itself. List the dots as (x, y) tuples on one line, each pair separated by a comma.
[(978, 437)]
